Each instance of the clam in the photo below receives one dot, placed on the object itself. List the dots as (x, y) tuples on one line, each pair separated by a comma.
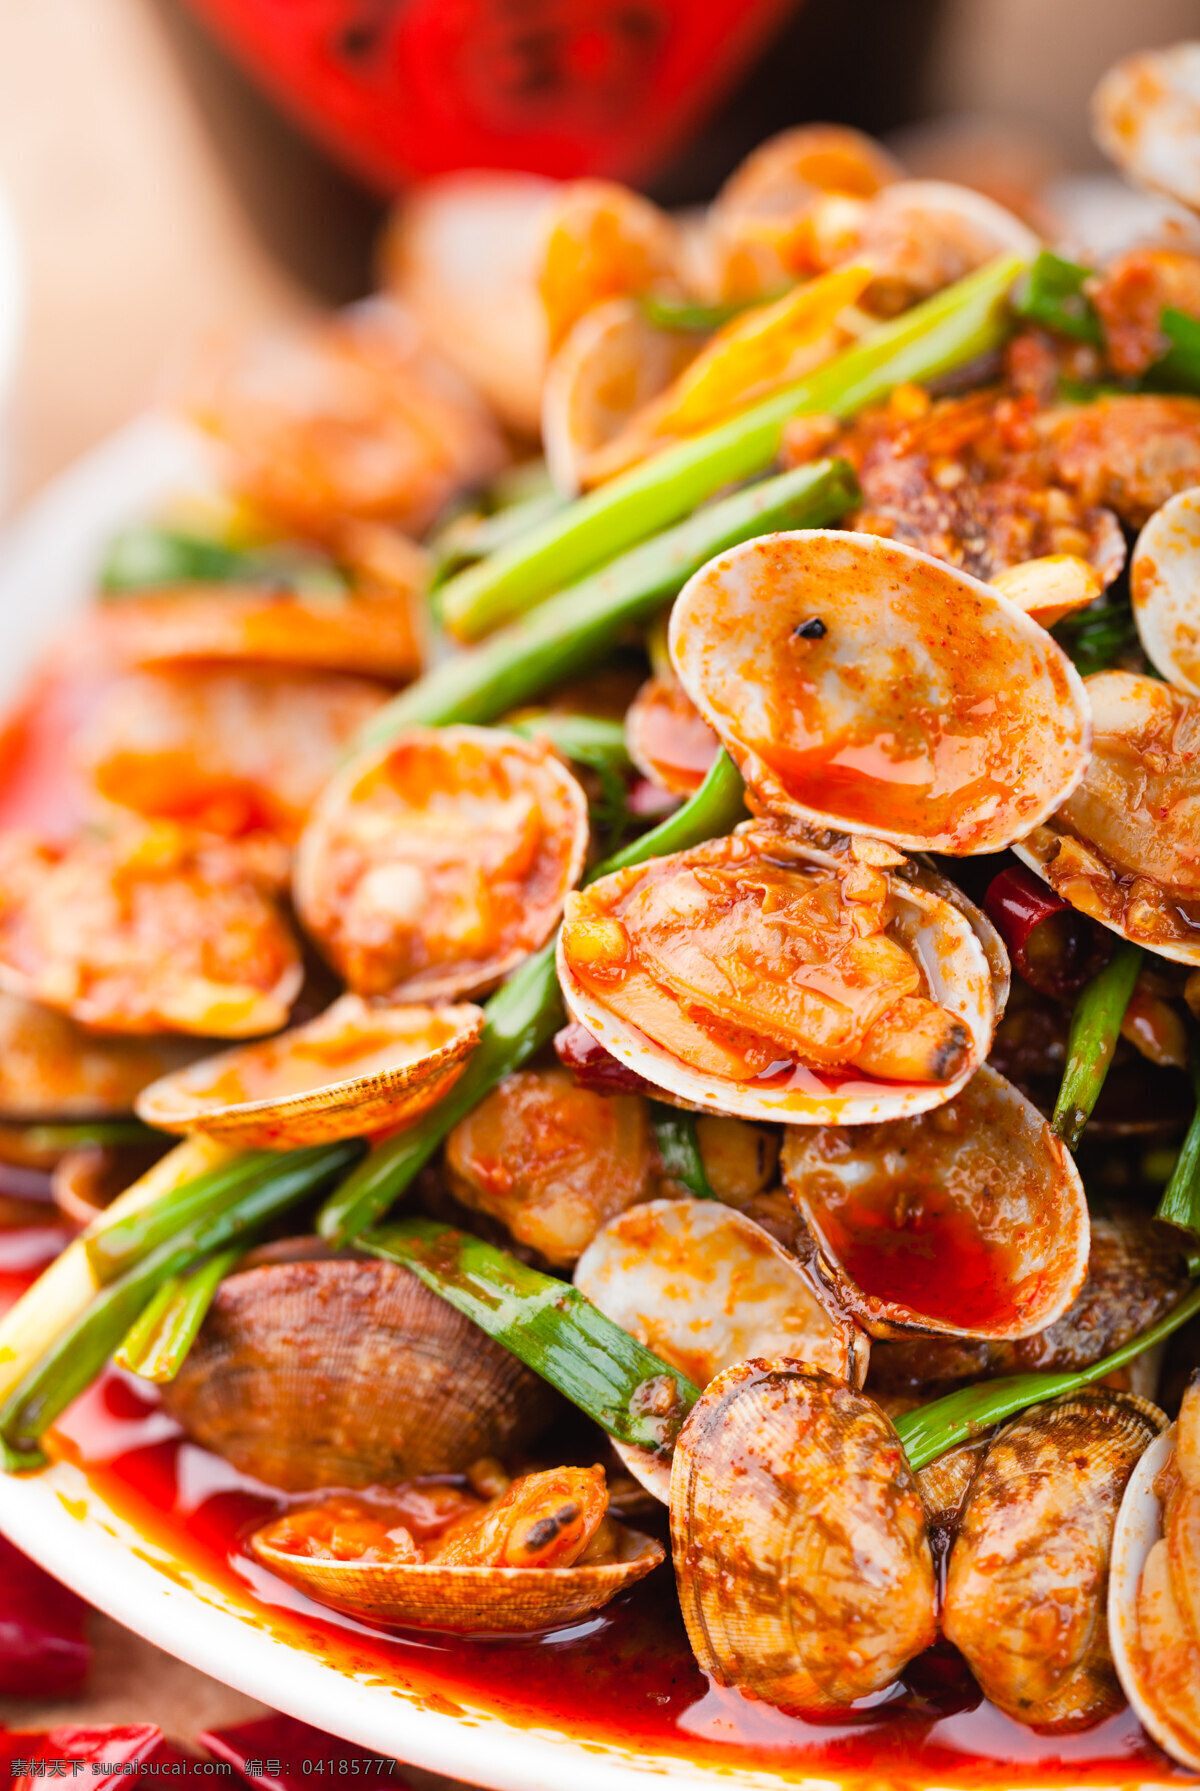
[(153, 928), (542, 1554), (228, 749), (1137, 1272), (85, 1180), (432, 866), (760, 977), (790, 207), (1146, 116), (1124, 848), (1165, 585), (357, 1068), (1027, 1577), (801, 1550), (704, 1287), (1153, 1620), (50, 1068), (667, 737), (353, 419), (551, 1160), (611, 365), (865, 686), (918, 236), (970, 1220), (349, 1373)]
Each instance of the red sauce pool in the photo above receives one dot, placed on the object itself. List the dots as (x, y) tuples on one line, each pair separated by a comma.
[(935, 1261), (624, 1676)]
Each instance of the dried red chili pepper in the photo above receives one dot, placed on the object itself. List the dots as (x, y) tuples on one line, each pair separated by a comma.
[(1054, 947)]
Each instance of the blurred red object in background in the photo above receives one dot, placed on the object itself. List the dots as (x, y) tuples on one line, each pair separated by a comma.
[(43, 1647), (399, 89)]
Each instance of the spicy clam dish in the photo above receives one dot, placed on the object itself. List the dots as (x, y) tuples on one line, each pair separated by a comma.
[(615, 1035)]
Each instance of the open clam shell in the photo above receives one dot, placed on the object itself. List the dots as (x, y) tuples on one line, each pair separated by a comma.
[(613, 362), (971, 1220), (667, 737), (1164, 580), (1146, 116), (1139, 1529), (1124, 848), (1034, 1536), (796, 1522), (920, 235), (468, 1599), (863, 685), (355, 1069), (431, 868), (705, 1287), (671, 1040), (348, 1373)]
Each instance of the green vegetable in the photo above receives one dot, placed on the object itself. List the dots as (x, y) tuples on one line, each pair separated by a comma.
[(79, 1352), (686, 315), (1179, 368), (157, 1344), (932, 1429), (1052, 294), (1095, 1028), (573, 631), (956, 326), (473, 536), (675, 1135), (1180, 1201), (71, 1135), (631, 1393), (1098, 636), (145, 558), (599, 746), (521, 1017)]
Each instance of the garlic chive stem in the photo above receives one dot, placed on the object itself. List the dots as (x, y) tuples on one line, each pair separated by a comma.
[(966, 320), (1095, 1028), (931, 1430), (630, 1392), (157, 1344)]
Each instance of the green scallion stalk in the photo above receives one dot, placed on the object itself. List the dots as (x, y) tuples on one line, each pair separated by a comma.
[(1052, 294), (521, 1017), (573, 631), (1180, 1201), (631, 1393), (965, 321), (73, 1134), (147, 558), (675, 1135), (79, 1352), (1095, 1028), (930, 1430), (157, 1344), (688, 316), (585, 739), (1179, 368)]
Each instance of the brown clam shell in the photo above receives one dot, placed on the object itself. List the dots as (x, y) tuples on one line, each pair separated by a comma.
[(801, 1550), (340, 1373), (1027, 1578), (357, 1068), (468, 1599)]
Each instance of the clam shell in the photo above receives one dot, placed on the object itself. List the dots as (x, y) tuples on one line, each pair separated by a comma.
[(354, 1070), (970, 1221), (345, 1373), (50, 1068), (1124, 849), (801, 1553), (919, 707), (1164, 580), (938, 935), (1027, 1577), (704, 1287), (1139, 1527), (613, 362), (1146, 116), (473, 831), (925, 874), (467, 1599), (667, 738)]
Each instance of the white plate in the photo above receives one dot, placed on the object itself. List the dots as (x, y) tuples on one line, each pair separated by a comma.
[(69, 1526)]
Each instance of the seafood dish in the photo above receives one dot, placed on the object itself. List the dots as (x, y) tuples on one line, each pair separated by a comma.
[(600, 962)]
